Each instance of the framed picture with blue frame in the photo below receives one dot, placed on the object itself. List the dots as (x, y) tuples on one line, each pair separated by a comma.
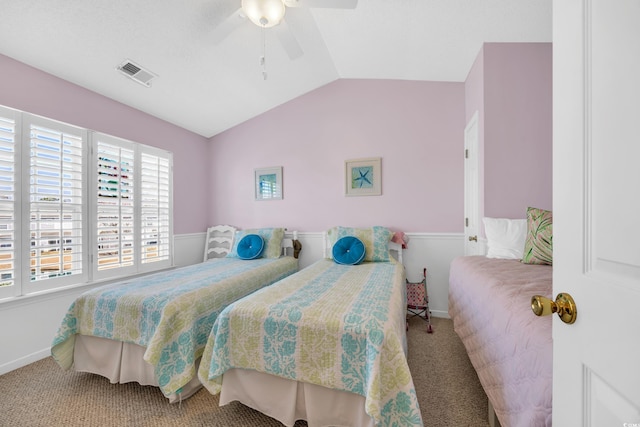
[(268, 183), (363, 177)]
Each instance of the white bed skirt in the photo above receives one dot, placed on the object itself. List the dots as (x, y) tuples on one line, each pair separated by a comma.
[(288, 400), (121, 363)]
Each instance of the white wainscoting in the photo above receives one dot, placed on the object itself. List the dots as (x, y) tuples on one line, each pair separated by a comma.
[(188, 249), (29, 323), (435, 251)]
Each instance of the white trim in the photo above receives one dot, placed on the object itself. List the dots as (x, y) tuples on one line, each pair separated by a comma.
[(24, 361), (419, 235), (188, 248)]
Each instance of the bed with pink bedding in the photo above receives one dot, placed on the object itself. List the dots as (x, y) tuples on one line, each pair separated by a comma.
[(509, 347)]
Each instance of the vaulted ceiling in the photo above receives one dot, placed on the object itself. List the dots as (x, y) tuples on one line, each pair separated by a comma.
[(207, 86)]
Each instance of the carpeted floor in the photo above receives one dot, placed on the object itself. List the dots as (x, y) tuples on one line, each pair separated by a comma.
[(43, 395)]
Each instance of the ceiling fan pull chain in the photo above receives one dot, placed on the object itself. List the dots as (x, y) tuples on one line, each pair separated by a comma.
[(263, 58)]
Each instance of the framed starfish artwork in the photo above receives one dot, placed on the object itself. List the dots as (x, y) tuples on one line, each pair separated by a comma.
[(363, 177)]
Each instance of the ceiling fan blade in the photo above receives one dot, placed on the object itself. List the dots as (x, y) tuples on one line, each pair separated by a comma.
[(332, 4), (227, 26), (288, 40)]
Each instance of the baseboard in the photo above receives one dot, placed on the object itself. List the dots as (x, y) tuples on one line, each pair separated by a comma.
[(440, 314), (25, 360)]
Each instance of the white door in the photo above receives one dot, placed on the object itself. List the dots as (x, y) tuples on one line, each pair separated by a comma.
[(471, 189), (596, 201)]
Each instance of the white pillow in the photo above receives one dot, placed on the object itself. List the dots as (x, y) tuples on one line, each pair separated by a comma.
[(505, 237)]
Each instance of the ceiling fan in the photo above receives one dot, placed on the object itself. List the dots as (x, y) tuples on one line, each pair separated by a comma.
[(271, 14)]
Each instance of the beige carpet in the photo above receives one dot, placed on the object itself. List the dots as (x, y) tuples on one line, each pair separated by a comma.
[(42, 394)]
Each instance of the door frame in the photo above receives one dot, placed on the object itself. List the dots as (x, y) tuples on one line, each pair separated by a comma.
[(472, 188)]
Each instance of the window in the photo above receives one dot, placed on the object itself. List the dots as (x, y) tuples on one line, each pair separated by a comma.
[(133, 207), (78, 206), (115, 204), (155, 198), (56, 202), (8, 134)]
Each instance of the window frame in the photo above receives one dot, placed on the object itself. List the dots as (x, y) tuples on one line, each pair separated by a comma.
[(15, 289), (37, 286), (154, 265), (138, 149), (89, 274)]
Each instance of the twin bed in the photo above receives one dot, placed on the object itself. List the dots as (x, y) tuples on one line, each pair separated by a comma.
[(153, 329), (326, 344), (509, 347)]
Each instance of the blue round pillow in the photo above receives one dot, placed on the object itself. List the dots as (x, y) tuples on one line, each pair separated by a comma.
[(250, 246), (348, 250)]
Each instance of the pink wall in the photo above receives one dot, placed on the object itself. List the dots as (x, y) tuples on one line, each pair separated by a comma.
[(510, 87), (518, 128), (31, 90), (416, 127)]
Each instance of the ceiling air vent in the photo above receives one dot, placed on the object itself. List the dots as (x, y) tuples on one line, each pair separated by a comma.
[(136, 73)]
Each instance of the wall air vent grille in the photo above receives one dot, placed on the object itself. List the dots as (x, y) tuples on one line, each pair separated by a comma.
[(136, 73)]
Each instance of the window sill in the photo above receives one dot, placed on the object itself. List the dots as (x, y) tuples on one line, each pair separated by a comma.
[(61, 292)]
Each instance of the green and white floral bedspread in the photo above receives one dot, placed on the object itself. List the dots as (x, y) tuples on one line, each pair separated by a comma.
[(339, 326), (171, 313)]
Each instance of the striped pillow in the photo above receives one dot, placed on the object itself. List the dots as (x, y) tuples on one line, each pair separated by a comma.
[(538, 247)]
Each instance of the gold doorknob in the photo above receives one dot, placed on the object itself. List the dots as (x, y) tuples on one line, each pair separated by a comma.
[(564, 305), (473, 238)]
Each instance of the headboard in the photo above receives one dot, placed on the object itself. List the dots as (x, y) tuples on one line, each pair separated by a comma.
[(219, 241), (326, 247)]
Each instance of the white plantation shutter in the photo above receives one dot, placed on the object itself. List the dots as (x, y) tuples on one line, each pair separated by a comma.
[(78, 206), (56, 201), (155, 199), (115, 215), (8, 206), (133, 232)]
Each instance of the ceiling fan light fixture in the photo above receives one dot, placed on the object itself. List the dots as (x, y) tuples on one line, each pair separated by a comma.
[(264, 13)]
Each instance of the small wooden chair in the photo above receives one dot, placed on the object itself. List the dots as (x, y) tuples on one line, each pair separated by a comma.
[(219, 241)]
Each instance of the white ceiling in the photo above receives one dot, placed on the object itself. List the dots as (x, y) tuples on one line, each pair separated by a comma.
[(208, 88)]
